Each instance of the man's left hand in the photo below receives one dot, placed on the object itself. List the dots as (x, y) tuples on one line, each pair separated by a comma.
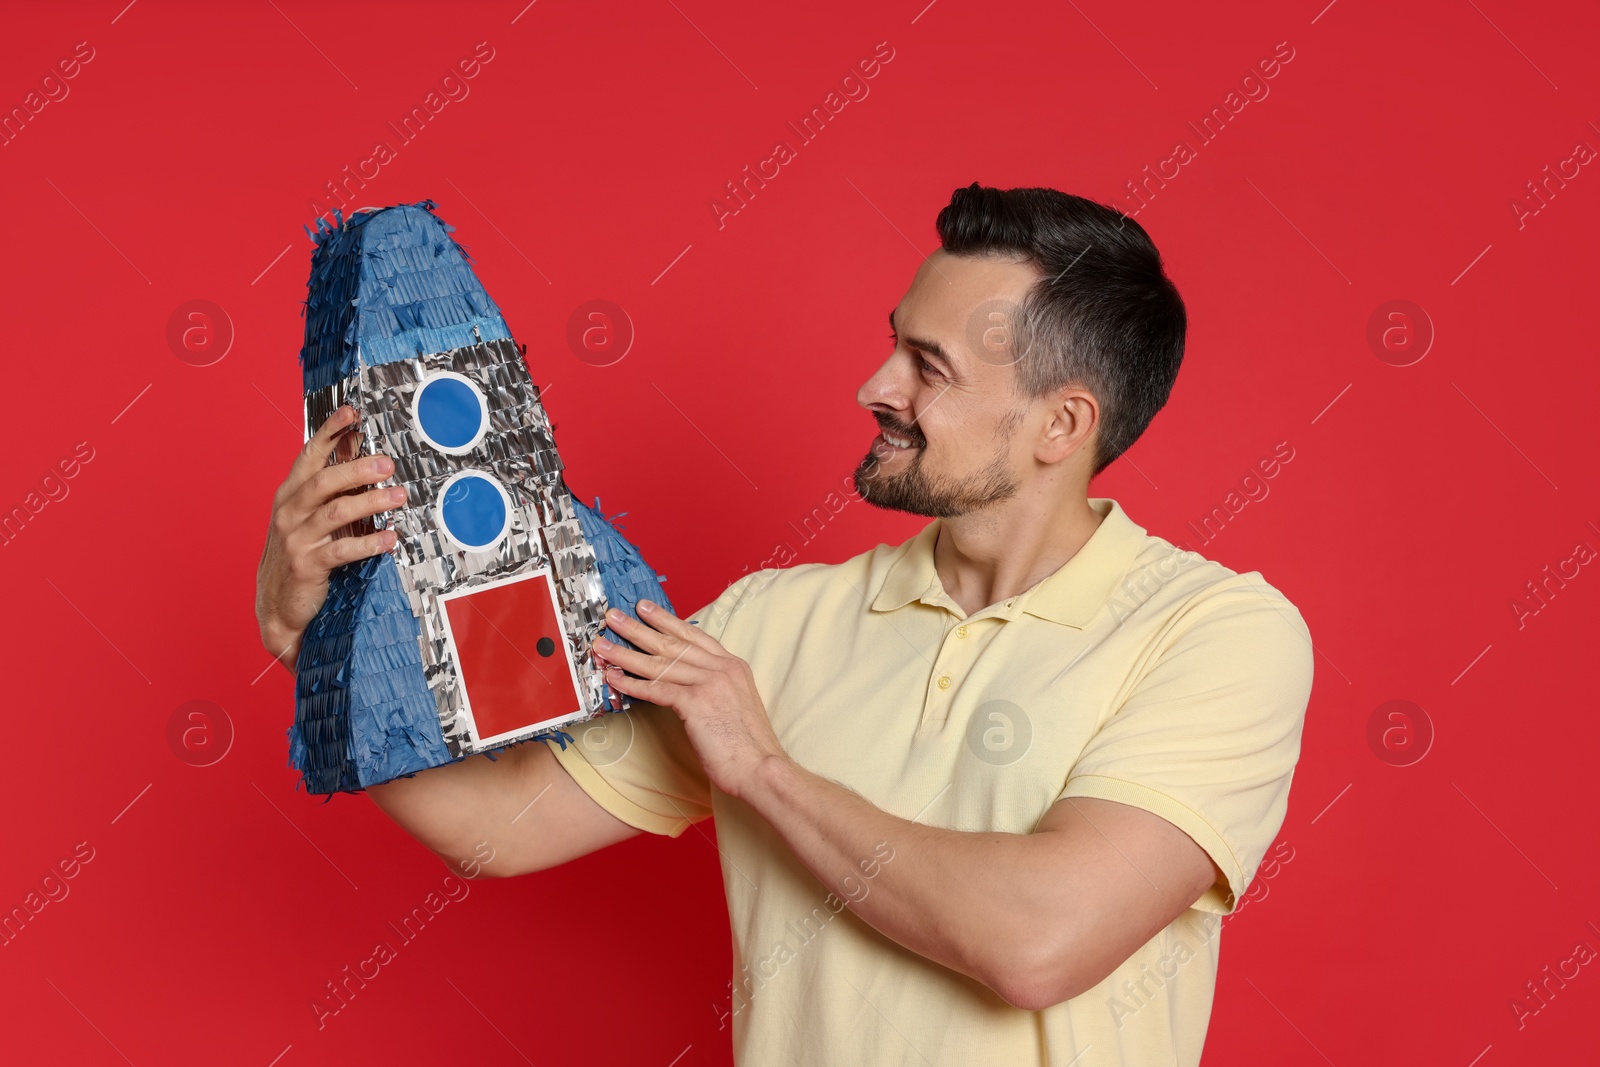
[(712, 690)]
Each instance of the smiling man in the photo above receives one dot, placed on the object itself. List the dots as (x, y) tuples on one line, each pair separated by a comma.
[(982, 796)]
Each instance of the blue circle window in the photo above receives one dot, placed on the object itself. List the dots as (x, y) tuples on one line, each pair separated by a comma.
[(451, 412), (474, 510)]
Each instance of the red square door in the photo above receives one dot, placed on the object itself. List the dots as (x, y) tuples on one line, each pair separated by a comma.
[(515, 666)]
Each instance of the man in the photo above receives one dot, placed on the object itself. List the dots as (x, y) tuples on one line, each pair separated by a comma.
[(982, 797)]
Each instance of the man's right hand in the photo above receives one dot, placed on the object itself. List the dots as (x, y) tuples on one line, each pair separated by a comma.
[(311, 505)]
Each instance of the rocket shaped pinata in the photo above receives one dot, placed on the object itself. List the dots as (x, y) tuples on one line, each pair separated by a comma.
[(473, 632)]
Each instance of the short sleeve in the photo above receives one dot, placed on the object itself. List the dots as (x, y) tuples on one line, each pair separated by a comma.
[(639, 764), (1209, 736)]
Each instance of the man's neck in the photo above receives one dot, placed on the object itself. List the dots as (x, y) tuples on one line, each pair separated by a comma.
[(987, 556)]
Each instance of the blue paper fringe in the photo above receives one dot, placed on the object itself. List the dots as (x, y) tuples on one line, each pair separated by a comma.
[(364, 713), (627, 578), (624, 574)]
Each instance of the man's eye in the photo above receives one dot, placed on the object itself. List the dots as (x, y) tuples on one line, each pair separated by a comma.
[(928, 368)]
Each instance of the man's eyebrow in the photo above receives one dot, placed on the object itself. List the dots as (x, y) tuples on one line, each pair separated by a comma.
[(932, 348)]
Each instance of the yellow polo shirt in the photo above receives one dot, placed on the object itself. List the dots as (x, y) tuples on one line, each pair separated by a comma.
[(1137, 672)]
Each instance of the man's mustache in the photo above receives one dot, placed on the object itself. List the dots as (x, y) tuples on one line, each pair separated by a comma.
[(905, 431)]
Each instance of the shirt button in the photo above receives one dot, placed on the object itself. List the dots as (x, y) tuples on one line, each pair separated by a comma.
[(961, 631), (944, 681)]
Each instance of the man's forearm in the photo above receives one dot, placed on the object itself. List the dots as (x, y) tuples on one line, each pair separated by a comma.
[(966, 900)]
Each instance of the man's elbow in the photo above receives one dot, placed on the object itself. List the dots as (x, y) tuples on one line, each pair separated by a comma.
[(501, 870), (1038, 993), (482, 863), (1032, 979)]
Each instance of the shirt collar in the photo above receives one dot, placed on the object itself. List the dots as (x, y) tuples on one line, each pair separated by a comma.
[(1070, 596)]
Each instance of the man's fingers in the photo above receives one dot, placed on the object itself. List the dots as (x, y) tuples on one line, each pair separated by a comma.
[(666, 645), (665, 621), (663, 693), (344, 509), (657, 629), (342, 550), (314, 456), (329, 482), (674, 668), (631, 629)]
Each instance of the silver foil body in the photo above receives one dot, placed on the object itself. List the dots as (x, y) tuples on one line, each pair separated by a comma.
[(519, 450)]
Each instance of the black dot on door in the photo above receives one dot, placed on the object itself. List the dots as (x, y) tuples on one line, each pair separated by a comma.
[(546, 647)]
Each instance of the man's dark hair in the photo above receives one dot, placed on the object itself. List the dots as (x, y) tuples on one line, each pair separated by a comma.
[(1103, 315)]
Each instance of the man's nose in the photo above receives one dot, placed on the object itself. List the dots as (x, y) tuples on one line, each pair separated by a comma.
[(882, 390)]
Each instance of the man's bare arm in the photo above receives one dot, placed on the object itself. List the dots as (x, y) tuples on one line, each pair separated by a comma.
[(518, 813), (1039, 918), (522, 808)]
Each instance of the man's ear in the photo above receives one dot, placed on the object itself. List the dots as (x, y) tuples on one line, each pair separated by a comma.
[(1072, 425)]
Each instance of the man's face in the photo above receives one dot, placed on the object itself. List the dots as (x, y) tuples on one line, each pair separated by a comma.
[(944, 398)]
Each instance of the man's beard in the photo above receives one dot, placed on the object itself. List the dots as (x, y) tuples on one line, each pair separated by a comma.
[(915, 491)]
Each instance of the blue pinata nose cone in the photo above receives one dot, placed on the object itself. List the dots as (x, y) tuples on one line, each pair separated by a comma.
[(389, 284)]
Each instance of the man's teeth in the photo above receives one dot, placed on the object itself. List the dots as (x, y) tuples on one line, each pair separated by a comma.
[(898, 442)]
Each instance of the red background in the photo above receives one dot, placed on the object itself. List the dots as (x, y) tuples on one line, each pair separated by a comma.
[(1419, 899)]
